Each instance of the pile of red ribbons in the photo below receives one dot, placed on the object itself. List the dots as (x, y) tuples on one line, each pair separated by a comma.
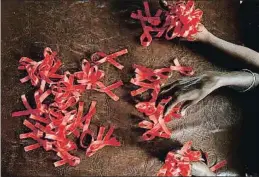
[(181, 20), (179, 163), (54, 119), (148, 79)]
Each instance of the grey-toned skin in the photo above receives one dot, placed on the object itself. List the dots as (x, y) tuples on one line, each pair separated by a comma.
[(201, 169), (248, 55), (190, 91)]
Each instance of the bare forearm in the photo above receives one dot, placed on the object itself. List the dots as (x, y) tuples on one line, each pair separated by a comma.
[(240, 80), (244, 53)]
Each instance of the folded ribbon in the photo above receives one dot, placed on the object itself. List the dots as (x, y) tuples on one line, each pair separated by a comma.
[(148, 79), (179, 163), (181, 20)]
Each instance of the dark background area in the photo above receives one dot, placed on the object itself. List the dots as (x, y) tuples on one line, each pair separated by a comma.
[(77, 29)]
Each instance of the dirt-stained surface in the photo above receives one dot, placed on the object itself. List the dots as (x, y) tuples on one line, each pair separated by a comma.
[(77, 29)]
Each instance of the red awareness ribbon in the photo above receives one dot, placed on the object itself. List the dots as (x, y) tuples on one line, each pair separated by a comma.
[(218, 165), (56, 119), (101, 142), (179, 163), (87, 119), (44, 70), (108, 89), (146, 37), (66, 92), (90, 76), (148, 79), (108, 58), (181, 20), (40, 107), (184, 20), (158, 128)]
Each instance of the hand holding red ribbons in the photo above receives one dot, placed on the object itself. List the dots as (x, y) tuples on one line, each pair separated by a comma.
[(181, 20), (179, 163)]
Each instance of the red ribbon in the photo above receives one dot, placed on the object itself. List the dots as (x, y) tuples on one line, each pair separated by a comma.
[(90, 76), (148, 79), (100, 142), (40, 107), (57, 120), (44, 70), (66, 92), (108, 58), (181, 21), (179, 163)]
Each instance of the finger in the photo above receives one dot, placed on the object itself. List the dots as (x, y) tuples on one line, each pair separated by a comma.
[(175, 101), (191, 82), (183, 81), (169, 86), (182, 85), (186, 105), (188, 80), (168, 91), (190, 97)]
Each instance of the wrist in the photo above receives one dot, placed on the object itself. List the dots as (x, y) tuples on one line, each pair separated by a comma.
[(224, 80), (203, 35), (208, 37), (219, 79), (239, 80)]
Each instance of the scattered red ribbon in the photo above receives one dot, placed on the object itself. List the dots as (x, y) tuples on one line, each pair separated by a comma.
[(54, 121), (181, 20), (179, 163), (103, 57), (99, 143), (148, 79), (42, 71), (90, 76)]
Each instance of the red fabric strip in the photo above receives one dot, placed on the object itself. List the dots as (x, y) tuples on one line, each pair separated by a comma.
[(148, 79), (55, 120), (181, 20)]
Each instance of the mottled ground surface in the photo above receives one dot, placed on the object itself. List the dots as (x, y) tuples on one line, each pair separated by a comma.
[(78, 29)]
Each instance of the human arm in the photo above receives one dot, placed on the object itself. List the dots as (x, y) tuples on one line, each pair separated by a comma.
[(243, 53), (191, 90)]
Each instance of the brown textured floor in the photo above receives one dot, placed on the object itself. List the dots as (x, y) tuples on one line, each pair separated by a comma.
[(76, 30)]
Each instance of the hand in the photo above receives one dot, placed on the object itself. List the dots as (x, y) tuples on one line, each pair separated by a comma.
[(189, 91), (201, 169), (202, 35)]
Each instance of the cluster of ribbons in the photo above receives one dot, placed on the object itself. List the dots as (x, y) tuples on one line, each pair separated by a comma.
[(55, 118), (180, 20), (151, 80), (179, 163)]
